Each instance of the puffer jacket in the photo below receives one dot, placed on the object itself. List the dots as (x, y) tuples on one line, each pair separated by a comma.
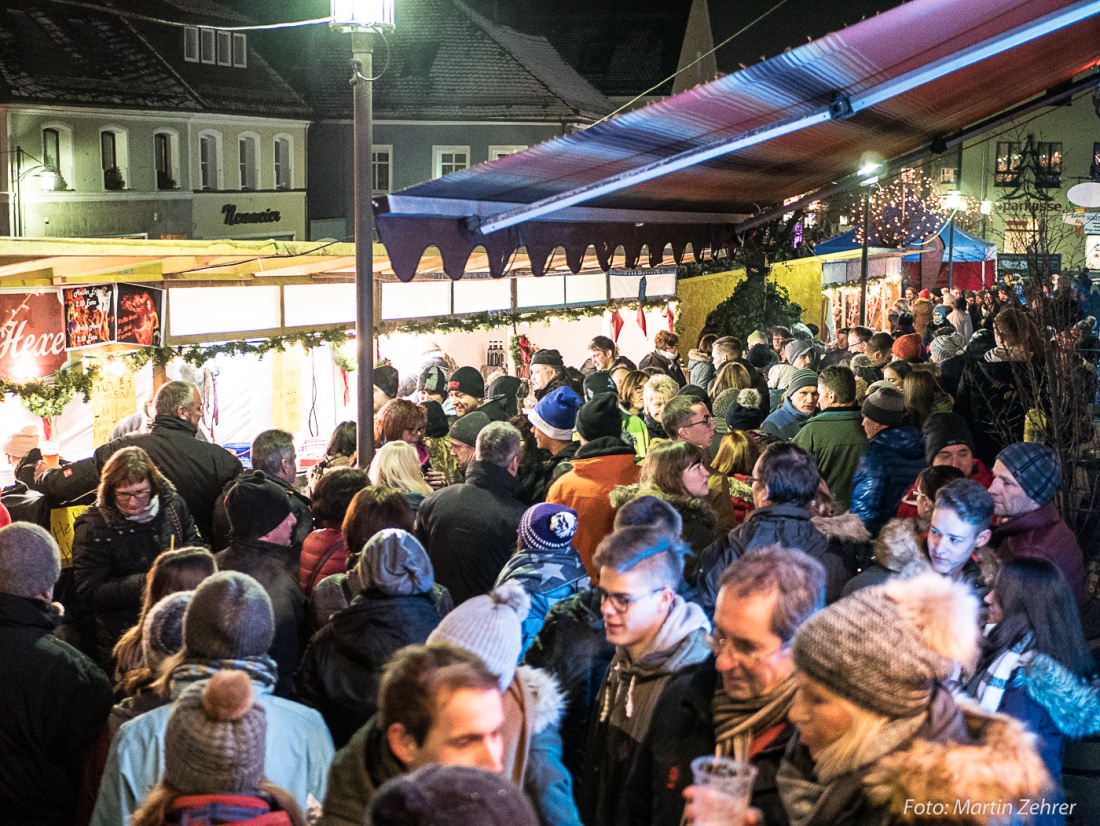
[(893, 460), (112, 554), (700, 369), (341, 669), (548, 577), (314, 549), (625, 707), (989, 399)]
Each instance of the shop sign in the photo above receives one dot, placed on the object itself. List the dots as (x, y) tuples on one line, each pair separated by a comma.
[(89, 316), (1092, 223), (1017, 264), (32, 335), (140, 315), (232, 217)]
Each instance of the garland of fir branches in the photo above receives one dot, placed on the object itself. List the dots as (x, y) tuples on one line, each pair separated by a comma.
[(48, 397)]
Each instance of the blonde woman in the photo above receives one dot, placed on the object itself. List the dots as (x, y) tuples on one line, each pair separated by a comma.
[(396, 465), (658, 391)]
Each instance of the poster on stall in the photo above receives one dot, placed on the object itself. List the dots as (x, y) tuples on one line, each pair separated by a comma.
[(140, 315), (89, 316), (32, 335), (1092, 252), (113, 399)]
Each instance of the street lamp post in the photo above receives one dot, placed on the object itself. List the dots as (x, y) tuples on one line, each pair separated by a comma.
[(866, 183), (954, 201), (363, 18)]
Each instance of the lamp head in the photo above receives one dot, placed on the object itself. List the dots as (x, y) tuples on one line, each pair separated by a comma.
[(353, 15)]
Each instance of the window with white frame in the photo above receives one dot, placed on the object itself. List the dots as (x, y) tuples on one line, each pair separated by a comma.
[(210, 155), (381, 169), (284, 159), (505, 149), (448, 159), (240, 50), (166, 158), (206, 42), (248, 157), (113, 153), (225, 48), (191, 44), (57, 153)]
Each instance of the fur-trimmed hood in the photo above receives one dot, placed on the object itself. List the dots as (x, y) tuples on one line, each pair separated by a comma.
[(545, 695), (900, 547), (693, 509), (844, 527), (1072, 703)]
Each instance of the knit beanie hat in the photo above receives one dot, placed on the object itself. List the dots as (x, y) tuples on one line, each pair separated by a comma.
[(745, 413), (939, 314), (556, 413), (162, 633), (801, 331), (433, 380), (30, 561), (386, 380), (760, 356), (726, 399), (907, 348), (797, 347), (214, 740), (756, 337), (441, 795), (488, 627), (1036, 468), (436, 426), (886, 406), (467, 380), (801, 378), (546, 527), (600, 417), (466, 428), (943, 430), (255, 505), (598, 383), (21, 443), (229, 618), (394, 562), (946, 347), (551, 357), (884, 648)]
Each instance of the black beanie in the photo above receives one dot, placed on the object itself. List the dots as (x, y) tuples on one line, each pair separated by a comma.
[(386, 380), (551, 357), (943, 430), (466, 428), (760, 356), (745, 413), (437, 420), (696, 392), (255, 505), (597, 384), (600, 417), (467, 380)]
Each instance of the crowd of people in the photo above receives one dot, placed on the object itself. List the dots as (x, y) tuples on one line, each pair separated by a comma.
[(542, 599)]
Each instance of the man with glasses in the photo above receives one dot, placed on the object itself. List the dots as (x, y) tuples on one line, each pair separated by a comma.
[(656, 634), (687, 419), (736, 702)]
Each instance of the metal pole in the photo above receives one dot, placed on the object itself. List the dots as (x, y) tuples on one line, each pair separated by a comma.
[(951, 253), (863, 260), (362, 46), (19, 191)]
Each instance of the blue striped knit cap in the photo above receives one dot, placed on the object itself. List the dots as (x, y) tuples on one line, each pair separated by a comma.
[(546, 527)]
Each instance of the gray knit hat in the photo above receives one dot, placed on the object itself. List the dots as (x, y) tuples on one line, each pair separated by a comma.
[(162, 633), (466, 428), (1036, 468), (884, 648), (230, 617), (885, 406), (946, 346), (438, 795), (214, 740), (797, 347), (394, 562), (803, 377), (488, 627), (30, 561)]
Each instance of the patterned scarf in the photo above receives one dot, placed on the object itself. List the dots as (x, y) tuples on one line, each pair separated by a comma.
[(991, 684), (261, 670), (738, 722)]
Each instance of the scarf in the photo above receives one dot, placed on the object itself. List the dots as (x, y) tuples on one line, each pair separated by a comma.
[(738, 722), (260, 670), (992, 682), (147, 515)]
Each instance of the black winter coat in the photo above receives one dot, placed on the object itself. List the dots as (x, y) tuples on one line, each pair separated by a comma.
[(267, 564), (198, 470), (53, 704), (112, 554), (670, 367), (342, 668), (470, 530), (989, 399)]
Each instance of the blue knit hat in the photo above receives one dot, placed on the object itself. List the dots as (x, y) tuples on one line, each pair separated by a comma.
[(546, 527), (1036, 468), (556, 414)]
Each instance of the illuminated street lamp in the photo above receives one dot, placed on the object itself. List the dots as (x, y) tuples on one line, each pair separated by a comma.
[(364, 19), (953, 201), (867, 180)]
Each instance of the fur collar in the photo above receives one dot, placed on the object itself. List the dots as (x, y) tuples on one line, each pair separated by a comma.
[(689, 507), (900, 547), (544, 694), (699, 356), (999, 766), (844, 527), (1073, 703)]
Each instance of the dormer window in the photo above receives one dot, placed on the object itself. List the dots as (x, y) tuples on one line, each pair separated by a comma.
[(215, 47)]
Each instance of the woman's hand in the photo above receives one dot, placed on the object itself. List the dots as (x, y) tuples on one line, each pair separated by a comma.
[(696, 804)]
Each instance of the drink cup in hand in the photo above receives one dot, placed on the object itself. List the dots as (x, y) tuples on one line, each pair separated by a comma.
[(51, 454), (722, 790)]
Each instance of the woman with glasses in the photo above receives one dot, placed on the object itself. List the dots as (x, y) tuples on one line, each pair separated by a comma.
[(400, 420), (137, 515)]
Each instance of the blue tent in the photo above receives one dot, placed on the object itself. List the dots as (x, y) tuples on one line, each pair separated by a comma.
[(968, 248)]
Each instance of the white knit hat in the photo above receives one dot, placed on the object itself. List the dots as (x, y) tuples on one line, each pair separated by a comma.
[(488, 627), (21, 443)]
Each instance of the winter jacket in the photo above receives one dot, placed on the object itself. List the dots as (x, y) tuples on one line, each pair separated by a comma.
[(470, 530), (989, 399), (669, 366), (366, 761), (785, 422), (341, 670), (572, 646), (836, 439), (951, 371), (1043, 534), (683, 729), (900, 550), (960, 755), (299, 506), (198, 470), (626, 704), (267, 564), (548, 578), (892, 461), (701, 369), (786, 525), (545, 468), (635, 433), (54, 702), (297, 754), (210, 809), (598, 467), (334, 593), (698, 517), (848, 539), (317, 544), (112, 554)]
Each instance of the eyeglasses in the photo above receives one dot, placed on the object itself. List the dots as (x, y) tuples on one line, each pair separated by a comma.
[(621, 602), (133, 494), (736, 648), (705, 420)]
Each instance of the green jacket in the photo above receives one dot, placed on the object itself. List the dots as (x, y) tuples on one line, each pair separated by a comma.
[(836, 439)]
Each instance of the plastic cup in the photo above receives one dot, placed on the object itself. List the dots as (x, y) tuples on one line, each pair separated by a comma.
[(723, 789), (51, 452)]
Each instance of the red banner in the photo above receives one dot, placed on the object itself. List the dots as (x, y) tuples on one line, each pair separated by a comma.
[(32, 335)]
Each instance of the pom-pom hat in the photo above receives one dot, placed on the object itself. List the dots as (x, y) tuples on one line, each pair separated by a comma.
[(489, 627), (547, 527)]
